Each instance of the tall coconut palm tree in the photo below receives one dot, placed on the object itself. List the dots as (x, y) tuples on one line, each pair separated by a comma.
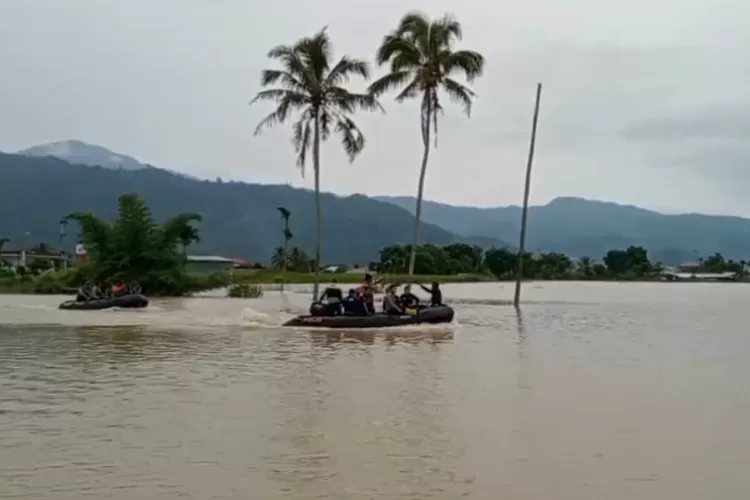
[(423, 62), (311, 85)]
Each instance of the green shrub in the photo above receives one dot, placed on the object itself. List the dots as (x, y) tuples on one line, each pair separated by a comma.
[(245, 291)]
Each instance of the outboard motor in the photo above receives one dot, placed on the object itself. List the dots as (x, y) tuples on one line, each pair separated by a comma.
[(318, 308)]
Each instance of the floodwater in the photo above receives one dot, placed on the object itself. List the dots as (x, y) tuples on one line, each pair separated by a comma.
[(598, 391)]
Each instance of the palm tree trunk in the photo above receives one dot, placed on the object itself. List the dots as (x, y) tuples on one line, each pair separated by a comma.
[(318, 209), (285, 257), (426, 119)]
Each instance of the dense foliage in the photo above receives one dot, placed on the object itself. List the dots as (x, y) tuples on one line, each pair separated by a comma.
[(136, 248), (293, 259), (423, 63), (239, 219), (630, 263)]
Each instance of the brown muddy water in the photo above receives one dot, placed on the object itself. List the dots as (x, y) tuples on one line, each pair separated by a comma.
[(596, 391)]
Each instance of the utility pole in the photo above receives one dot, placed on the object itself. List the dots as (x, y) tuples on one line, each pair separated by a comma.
[(525, 210)]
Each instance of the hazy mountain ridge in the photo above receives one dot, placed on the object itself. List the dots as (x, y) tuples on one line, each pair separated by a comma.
[(581, 227), (82, 153), (239, 219)]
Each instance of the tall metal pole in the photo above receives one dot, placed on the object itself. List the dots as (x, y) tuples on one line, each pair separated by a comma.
[(527, 188)]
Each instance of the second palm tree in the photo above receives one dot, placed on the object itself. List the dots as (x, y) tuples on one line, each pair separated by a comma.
[(422, 62)]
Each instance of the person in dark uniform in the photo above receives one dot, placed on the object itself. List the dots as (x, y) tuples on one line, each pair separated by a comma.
[(436, 295), (332, 298), (408, 299), (353, 305)]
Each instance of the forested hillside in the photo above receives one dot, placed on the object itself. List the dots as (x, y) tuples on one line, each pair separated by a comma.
[(239, 219)]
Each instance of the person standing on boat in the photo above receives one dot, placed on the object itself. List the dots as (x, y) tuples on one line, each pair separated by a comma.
[(366, 293), (436, 295)]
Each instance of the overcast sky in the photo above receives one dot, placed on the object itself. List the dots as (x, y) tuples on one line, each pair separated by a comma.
[(645, 102)]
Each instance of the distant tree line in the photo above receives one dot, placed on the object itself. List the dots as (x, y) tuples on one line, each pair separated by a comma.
[(630, 263), (132, 248)]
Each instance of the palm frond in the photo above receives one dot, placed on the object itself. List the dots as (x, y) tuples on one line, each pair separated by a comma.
[(276, 117), (285, 78), (352, 138), (310, 85), (278, 95), (410, 91), (446, 30), (97, 235), (180, 229), (315, 53), (389, 82), (345, 68), (395, 45), (291, 60), (286, 99), (469, 62), (459, 93), (301, 140), (285, 212), (350, 102), (415, 26)]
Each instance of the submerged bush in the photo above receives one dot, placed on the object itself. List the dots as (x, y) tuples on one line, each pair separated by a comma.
[(245, 291)]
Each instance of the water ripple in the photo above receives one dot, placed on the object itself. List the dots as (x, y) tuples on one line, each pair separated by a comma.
[(593, 391)]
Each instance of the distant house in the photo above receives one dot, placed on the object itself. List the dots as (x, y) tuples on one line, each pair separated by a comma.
[(689, 267), (207, 264), (242, 264), (690, 276), (17, 258)]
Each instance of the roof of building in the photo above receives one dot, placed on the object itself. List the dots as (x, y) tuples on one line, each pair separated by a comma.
[(209, 258)]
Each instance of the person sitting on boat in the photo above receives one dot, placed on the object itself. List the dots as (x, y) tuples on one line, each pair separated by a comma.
[(366, 292), (353, 305), (408, 299), (332, 297), (391, 304), (436, 295), (85, 292), (119, 288)]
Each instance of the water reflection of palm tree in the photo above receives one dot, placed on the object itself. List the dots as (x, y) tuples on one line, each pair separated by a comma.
[(302, 458)]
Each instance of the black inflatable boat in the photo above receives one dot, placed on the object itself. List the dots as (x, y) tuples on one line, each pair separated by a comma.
[(429, 315), (131, 301)]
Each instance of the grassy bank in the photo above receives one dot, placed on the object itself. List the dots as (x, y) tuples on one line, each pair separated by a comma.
[(67, 282), (267, 276)]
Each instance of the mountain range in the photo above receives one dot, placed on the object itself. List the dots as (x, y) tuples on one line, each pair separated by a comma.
[(41, 184), (239, 219), (580, 227)]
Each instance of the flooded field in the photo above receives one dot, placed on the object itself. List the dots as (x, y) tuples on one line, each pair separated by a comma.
[(597, 391)]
